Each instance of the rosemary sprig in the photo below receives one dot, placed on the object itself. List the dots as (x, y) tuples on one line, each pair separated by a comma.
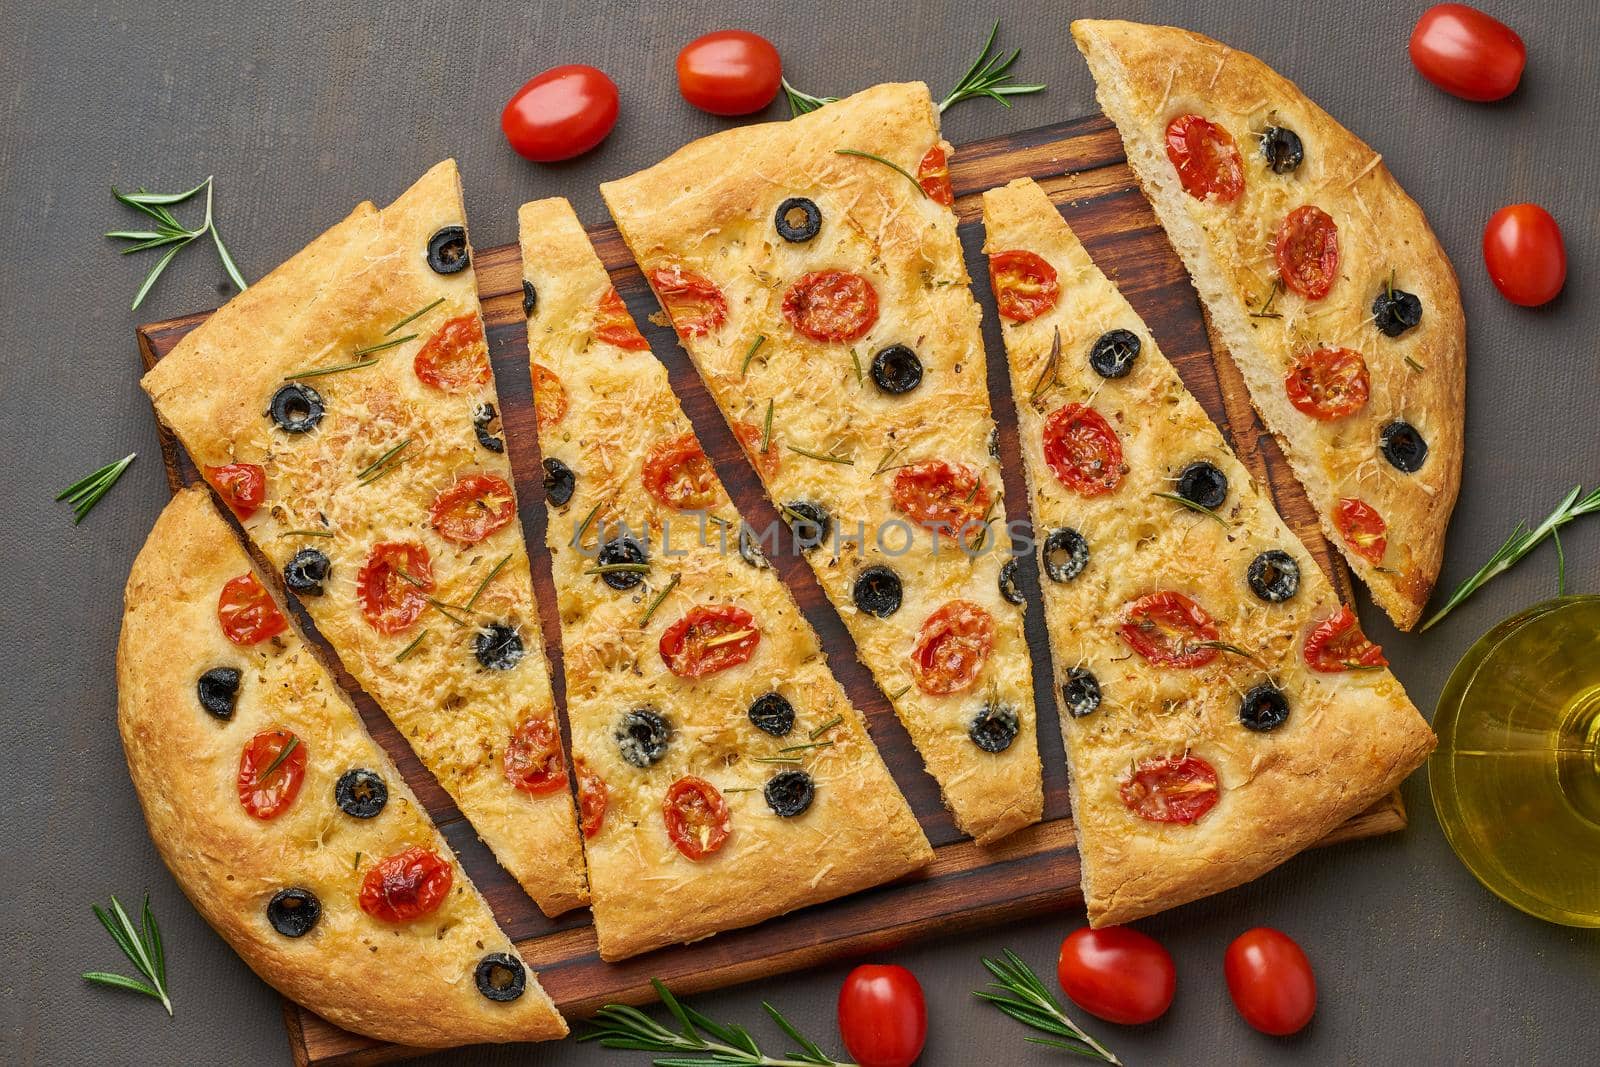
[(801, 103), (891, 164), (766, 429), (623, 1027), (618, 568), (825, 727), (306, 533), (405, 653), (1413, 364), (283, 754), (785, 750), (856, 359), (415, 315), (317, 372), (487, 578), (1519, 544), (382, 346), (383, 464), (1223, 646), (1048, 372), (1192, 506), (86, 492), (1266, 311), (844, 460), (775, 759), (989, 76), (755, 345), (650, 611), (1018, 992), (169, 231), (142, 945)]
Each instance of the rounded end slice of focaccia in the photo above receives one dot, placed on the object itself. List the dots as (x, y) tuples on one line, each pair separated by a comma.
[(1388, 516), (409, 982), (1350, 734), (709, 214), (403, 486), (625, 463)]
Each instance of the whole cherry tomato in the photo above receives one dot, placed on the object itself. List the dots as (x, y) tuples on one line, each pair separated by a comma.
[(1526, 257), (561, 113), (729, 72), (1466, 53), (882, 1016), (1117, 974), (1270, 981)]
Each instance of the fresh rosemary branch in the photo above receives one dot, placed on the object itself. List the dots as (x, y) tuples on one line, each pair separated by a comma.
[(891, 164), (1192, 506), (169, 231), (142, 945), (1019, 993), (800, 103), (1519, 544), (623, 1027), (989, 76), (85, 493)]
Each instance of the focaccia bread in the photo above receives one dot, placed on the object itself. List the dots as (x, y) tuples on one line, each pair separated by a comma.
[(1221, 709), (812, 270), (723, 776), (1320, 277), (343, 407), (284, 822)]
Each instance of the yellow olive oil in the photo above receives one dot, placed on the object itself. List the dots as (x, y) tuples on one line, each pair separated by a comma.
[(1516, 780)]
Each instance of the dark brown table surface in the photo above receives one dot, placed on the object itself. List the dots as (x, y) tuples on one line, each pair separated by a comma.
[(301, 110)]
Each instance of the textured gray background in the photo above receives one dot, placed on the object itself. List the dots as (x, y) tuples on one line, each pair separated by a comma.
[(303, 109)]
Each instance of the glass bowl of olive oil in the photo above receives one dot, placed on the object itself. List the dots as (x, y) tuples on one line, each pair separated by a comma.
[(1516, 779)]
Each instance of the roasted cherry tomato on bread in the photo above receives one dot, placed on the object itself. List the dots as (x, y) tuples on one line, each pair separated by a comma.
[(532, 761), (549, 397), (1083, 450), (940, 495), (242, 486), (1169, 630), (1206, 159), (473, 508), (1525, 254), (697, 817), (593, 798), (247, 611), (1024, 285), (729, 72), (614, 326), (882, 1016), (933, 174), (1271, 981), (1337, 644), (952, 647), (1175, 789), (407, 885), (456, 357), (561, 113), (393, 585), (709, 639), (1307, 251), (679, 476), (1467, 53), (1328, 383), (692, 301), (1117, 974), (831, 305), (272, 765), (1363, 529)]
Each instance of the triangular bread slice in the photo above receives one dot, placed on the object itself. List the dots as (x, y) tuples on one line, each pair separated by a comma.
[(415, 982), (1377, 347), (797, 806), (352, 386), (837, 317), (1133, 577)]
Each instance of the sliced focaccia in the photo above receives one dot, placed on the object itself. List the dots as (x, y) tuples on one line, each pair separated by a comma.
[(344, 408), (1321, 278), (723, 776), (1221, 709), (284, 822), (813, 272)]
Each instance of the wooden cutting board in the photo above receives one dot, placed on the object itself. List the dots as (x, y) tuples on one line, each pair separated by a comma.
[(1081, 165)]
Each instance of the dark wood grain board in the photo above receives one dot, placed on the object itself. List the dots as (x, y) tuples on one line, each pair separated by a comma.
[(1080, 164)]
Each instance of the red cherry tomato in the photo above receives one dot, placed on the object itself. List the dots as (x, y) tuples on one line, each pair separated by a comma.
[(1271, 981), (1206, 159), (1337, 644), (267, 783), (1175, 789), (697, 817), (593, 796), (678, 474), (692, 301), (1466, 53), (882, 1016), (729, 72), (1083, 450), (940, 495), (549, 398), (247, 611), (1307, 251), (614, 326), (407, 885), (708, 640), (750, 436), (1362, 528), (952, 647), (561, 113), (831, 305), (242, 486), (1526, 257), (1329, 383), (473, 508), (1024, 285), (532, 761), (456, 357), (1117, 974), (393, 585), (1167, 628), (933, 174)]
